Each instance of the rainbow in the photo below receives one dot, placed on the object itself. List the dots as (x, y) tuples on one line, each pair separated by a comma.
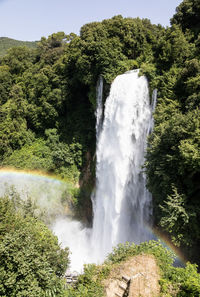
[(50, 179), (46, 190), (5, 171), (166, 241)]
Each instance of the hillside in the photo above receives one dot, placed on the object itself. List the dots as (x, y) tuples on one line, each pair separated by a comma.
[(6, 43), (143, 270)]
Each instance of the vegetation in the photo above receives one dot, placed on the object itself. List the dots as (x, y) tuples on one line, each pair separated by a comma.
[(47, 122), (6, 43), (48, 95), (174, 149), (187, 16), (173, 281), (31, 261)]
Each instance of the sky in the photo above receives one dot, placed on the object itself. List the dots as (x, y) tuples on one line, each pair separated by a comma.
[(29, 20)]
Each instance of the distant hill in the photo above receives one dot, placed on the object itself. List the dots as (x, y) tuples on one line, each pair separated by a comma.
[(6, 43)]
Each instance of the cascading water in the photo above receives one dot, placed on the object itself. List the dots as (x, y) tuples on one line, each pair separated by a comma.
[(153, 107), (99, 107), (121, 204)]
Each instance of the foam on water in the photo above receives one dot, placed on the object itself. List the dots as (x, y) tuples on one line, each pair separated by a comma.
[(121, 202)]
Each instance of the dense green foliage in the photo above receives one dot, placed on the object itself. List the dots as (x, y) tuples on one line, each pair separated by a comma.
[(89, 283), (47, 104), (173, 157), (34, 124), (31, 261), (7, 43), (173, 281), (187, 15), (48, 95)]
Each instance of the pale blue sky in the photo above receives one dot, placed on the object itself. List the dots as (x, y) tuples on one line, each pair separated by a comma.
[(32, 19)]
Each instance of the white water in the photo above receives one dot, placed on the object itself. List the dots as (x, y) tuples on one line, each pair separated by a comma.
[(99, 107), (121, 203), (153, 107), (72, 234)]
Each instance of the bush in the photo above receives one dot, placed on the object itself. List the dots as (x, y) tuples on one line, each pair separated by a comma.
[(173, 281), (31, 261)]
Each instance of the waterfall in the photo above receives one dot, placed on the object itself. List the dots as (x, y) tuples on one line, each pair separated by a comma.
[(99, 106), (153, 106), (154, 99), (121, 203)]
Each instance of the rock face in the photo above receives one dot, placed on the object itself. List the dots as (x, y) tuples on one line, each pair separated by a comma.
[(137, 277)]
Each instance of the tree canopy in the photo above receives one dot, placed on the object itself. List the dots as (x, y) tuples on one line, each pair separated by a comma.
[(48, 100), (187, 16), (31, 261)]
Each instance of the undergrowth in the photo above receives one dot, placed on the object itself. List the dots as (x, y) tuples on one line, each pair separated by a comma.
[(174, 281)]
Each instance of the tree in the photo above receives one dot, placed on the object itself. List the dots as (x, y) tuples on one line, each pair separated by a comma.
[(175, 217), (13, 125), (173, 48), (5, 83), (19, 59), (31, 261), (187, 16)]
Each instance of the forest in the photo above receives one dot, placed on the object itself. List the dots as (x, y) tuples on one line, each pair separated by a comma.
[(47, 123), (6, 43)]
